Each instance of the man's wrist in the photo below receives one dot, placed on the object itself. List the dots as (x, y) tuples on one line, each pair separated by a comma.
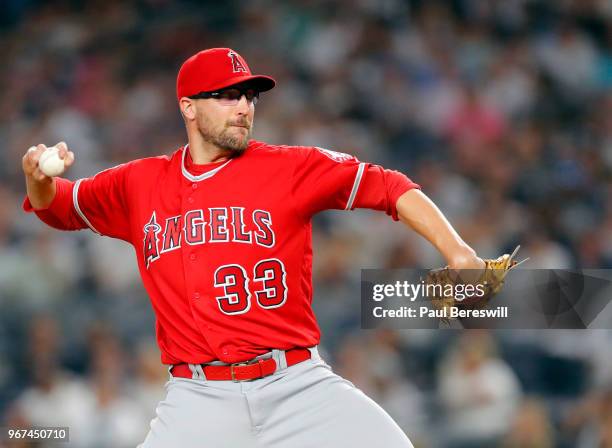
[(465, 258)]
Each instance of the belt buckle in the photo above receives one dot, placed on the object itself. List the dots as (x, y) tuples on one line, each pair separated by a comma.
[(259, 362), (232, 374)]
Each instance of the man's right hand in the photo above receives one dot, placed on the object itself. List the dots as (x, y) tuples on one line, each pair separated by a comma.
[(40, 187), (31, 158)]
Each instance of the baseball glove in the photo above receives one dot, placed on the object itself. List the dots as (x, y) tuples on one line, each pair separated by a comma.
[(450, 290)]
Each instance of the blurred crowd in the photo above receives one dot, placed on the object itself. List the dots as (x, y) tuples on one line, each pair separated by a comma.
[(500, 109)]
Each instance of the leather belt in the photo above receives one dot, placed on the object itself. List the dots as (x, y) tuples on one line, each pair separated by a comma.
[(242, 371)]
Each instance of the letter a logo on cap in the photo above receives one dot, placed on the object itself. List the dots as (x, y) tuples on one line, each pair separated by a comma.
[(237, 66)]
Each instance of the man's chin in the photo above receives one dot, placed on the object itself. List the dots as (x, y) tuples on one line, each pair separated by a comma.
[(235, 142), (235, 146), (238, 141)]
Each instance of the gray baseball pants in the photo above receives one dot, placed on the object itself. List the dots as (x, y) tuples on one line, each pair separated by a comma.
[(302, 406)]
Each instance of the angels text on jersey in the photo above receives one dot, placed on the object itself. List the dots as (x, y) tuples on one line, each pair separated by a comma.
[(210, 225)]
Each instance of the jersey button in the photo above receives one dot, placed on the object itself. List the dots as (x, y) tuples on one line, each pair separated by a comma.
[(194, 186), (192, 257), (225, 352), (190, 200), (196, 295)]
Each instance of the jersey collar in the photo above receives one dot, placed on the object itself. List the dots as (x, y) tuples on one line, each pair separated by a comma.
[(203, 176)]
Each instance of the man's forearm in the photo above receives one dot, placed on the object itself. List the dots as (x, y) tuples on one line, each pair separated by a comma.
[(417, 211), (40, 193)]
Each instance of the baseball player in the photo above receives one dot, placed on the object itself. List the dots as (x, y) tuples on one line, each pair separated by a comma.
[(222, 234)]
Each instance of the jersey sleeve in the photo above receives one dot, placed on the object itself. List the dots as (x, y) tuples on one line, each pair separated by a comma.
[(325, 179), (99, 203)]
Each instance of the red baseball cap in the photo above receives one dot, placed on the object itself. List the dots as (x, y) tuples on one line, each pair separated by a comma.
[(217, 68)]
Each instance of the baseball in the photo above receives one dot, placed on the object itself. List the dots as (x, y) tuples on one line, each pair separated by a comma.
[(50, 163)]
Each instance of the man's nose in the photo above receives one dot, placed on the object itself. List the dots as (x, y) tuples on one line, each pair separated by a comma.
[(243, 105)]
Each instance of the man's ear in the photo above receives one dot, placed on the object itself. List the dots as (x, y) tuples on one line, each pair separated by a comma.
[(188, 108)]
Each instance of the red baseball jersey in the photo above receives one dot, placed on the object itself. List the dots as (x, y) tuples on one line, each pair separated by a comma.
[(224, 249)]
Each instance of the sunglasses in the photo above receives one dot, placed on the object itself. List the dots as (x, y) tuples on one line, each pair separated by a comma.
[(229, 97)]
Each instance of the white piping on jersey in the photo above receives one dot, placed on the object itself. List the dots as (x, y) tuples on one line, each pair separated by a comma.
[(358, 176), (206, 175), (75, 200)]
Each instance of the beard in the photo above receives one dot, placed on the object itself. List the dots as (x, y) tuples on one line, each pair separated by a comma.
[(227, 139)]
